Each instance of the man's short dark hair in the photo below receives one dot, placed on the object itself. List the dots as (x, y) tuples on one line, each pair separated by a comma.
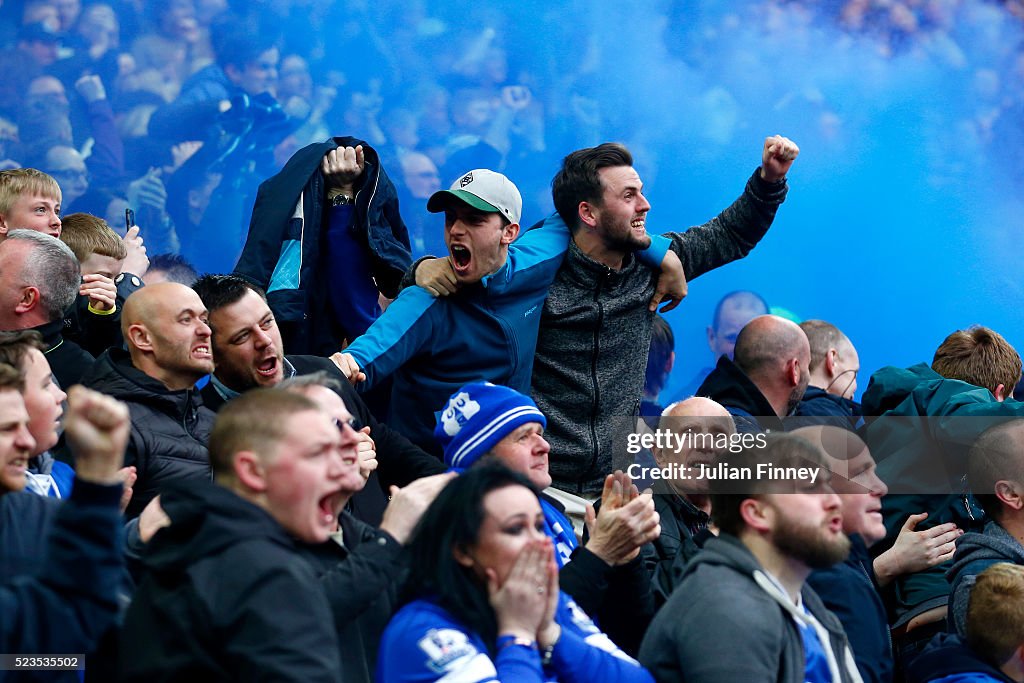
[(579, 180), (978, 356), (11, 378), (176, 267), (997, 455), (218, 291), (238, 45), (14, 346), (781, 450)]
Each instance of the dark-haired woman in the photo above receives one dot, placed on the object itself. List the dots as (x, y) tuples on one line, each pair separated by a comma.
[(487, 605)]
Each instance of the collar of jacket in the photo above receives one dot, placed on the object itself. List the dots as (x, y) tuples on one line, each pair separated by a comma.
[(115, 375), (52, 333), (587, 270), (731, 387), (691, 515)]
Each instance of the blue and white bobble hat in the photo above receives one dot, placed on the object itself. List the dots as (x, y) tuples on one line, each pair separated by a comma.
[(478, 416)]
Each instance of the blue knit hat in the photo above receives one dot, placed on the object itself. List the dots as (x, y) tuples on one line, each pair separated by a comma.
[(478, 416)]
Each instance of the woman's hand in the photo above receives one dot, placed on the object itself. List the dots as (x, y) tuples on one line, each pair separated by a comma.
[(523, 602)]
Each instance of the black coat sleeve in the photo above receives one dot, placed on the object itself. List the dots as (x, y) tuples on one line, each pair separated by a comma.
[(374, 568), (585, 580)]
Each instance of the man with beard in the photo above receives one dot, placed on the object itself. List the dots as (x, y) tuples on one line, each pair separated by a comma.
[(768, 377), (485, 332), (595, 327), (164, 327), (742, 611)]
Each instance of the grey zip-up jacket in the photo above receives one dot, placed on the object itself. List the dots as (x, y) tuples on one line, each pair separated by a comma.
[(728, 622), (595, 334)]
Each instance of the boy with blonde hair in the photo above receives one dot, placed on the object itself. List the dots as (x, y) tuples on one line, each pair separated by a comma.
[(108, 278), (29, 199), (97, 247)]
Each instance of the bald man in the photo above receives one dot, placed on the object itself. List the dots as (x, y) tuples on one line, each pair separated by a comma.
[(834, 369), (164, 326), (701, 432), (768, 376)]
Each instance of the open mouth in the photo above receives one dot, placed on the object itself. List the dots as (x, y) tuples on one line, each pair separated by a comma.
[(638, 224), (835, 525), (330, 506), (202, 351), (268, 367), (461, 258)]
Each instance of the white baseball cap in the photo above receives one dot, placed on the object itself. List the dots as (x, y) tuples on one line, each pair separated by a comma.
[(484, 190)]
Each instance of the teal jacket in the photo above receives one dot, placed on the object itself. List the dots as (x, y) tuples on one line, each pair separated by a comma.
[(924, 462)]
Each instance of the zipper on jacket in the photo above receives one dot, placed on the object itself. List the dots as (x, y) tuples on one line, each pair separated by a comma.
[(593, 376)]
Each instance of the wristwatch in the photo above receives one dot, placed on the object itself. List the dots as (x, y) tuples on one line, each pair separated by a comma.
[(342, 199)]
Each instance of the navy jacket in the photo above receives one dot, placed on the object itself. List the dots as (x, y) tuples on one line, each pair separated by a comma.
[(947, 659), (71, 597), (848, 590), (818, 407), (282, 251)]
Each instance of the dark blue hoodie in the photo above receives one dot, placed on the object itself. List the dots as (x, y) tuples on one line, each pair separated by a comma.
[(947, 659)]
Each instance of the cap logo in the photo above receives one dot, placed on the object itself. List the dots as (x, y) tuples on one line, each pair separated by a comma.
[(466, 180), (458, 412)]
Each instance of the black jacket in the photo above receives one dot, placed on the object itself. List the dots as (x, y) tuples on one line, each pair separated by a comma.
[(70, 599), (226, 597), (282, 252), (399, 461), (170, 429), (361, 580), (681, 521), (731, 387), (595, 333), (95, 332), (68, 361)]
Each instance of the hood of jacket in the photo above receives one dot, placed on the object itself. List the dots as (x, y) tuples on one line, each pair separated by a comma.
[(947, 656), (993, 543), (731, 387), (113, 374), (919, 390), (728, 551), (206, 519)]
